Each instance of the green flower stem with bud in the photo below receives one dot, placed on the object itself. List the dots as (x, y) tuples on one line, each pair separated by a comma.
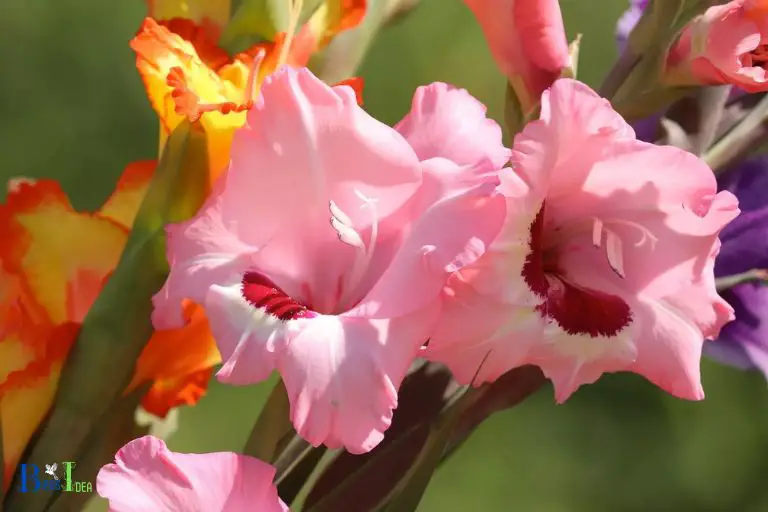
[(755, 275), (118, 325), (634, 85)]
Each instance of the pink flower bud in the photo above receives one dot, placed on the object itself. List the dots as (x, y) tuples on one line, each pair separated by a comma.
[(527, 40), (728, 44)]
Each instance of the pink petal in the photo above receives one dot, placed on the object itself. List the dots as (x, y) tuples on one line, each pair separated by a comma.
[(452, 233), (624, 222), (480, 338), (342, 374), (667, 280), (147, 476), (305, 145), (445, 122)]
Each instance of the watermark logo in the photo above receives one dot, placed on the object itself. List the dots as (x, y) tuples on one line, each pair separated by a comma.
[(31, 479)]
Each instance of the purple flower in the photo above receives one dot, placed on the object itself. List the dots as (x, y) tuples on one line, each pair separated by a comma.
[(744, 342), (628, 21)]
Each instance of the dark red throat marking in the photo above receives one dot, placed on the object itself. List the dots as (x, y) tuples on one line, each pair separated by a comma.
[(262, 293), (760, 56), (576, 310)]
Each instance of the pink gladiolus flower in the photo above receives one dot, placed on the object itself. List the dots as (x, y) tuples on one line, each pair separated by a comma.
[(323, 250), (527, 40), (605, 263), (147, 476), (728, 44)]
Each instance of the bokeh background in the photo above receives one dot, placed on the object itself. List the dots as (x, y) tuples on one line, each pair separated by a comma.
[(72, 108)]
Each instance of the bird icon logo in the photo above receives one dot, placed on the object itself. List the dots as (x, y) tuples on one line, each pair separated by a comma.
[(50, 469)]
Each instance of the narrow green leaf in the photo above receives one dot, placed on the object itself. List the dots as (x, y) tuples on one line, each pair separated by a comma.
[(118, 325), (112, 431), (272, 428), (256, 18), (341, 59), (756, 275), (368, 478), (409, 491)]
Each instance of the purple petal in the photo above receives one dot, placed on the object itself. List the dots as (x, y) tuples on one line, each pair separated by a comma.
[(628, 21)]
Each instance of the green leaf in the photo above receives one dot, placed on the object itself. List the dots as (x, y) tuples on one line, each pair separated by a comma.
[(273, 429), (514, 117), (368, 478), (260, 18), (406, 496), (345, 53), (118, 325), (112, 431)]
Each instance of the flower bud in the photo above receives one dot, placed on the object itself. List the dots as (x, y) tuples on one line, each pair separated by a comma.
[(725, 45)]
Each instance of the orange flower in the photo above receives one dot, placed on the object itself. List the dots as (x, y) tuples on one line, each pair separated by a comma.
[(186, 75), (54, 263)]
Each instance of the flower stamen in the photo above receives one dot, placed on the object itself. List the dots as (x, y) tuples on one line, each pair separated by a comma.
[(347, 234), (293, 22), (614, 249)]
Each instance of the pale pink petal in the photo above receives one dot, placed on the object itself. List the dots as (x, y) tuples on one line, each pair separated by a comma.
[(480, 338), (307, 144), (452, 233), (544, 147), (147, 476), (446, 122), (201, 251), (342, 374), (674, 326)]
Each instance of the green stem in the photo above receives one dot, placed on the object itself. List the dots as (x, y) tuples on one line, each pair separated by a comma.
[(619, 73), (737, 142), (756, 274)]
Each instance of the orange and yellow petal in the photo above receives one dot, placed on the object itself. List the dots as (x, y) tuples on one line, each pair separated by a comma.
[(334, 16), (181, 85), (28, 383), (199, 37), (178, 362), (211, 14), (39, 229), (121, 207)]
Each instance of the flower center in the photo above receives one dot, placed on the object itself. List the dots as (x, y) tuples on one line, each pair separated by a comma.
[(759, 56), (262, 293), (576, 310), (343, 225)]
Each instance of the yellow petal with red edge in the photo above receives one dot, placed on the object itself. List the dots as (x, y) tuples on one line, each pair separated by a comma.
[(212, 14), (334, 16), (178, 362), (28, 382), (181, 85), (122, 205), (40, 229)]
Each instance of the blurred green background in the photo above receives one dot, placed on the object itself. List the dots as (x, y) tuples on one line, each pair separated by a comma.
[(72, 108)]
